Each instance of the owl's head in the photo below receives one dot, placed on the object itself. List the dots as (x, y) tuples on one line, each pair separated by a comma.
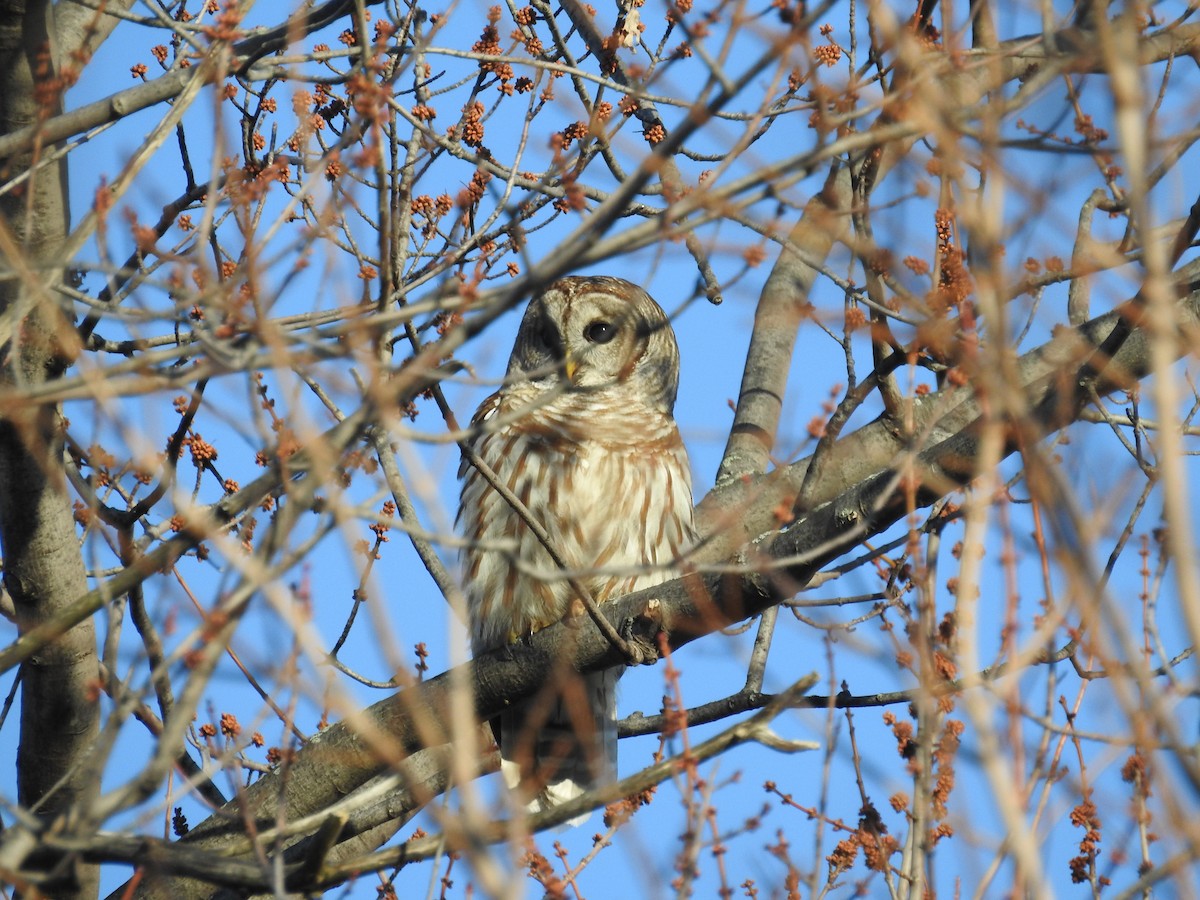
[(599, 334)]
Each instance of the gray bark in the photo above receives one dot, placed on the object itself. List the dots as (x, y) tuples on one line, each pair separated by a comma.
[(43, 566)]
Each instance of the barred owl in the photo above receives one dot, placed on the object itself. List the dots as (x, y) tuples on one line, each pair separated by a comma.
[(582, 433)]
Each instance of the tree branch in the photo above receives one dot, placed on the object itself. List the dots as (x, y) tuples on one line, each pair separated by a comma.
[(699, 603), (121, 104)]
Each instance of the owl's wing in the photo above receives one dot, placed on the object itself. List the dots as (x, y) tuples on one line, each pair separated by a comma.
[(486, 410)]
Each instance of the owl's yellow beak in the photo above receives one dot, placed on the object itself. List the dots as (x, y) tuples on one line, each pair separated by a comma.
[(572, 366)]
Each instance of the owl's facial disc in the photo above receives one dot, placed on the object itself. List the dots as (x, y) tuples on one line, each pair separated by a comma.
[(595, 333)]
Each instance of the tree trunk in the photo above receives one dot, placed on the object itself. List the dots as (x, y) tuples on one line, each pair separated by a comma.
[(43, 565)]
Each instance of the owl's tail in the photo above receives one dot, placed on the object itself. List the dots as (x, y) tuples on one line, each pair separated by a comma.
[(563, 743)]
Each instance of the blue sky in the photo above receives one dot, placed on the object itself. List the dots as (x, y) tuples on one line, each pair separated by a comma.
[(1042, 196)]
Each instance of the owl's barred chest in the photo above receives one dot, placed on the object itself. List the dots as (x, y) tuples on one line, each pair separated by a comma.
[(597, 498), (618, 512)]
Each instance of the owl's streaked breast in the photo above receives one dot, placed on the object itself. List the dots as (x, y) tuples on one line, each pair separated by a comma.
[(616, 501)]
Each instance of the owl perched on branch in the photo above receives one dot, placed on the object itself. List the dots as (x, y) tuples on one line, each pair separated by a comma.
[(582, 434)]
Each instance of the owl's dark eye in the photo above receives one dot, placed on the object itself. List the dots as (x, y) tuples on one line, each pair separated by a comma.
[(600, 332)]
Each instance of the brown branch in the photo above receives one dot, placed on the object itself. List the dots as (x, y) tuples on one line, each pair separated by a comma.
[(123, 103), (162, 557), (460, 834), (689, 607), (747, 701)]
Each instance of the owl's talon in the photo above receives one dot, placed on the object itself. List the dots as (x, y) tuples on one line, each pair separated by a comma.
[(642, 646), (576, 613)]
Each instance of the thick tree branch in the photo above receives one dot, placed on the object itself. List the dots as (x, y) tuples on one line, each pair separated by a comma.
[(782, 306), (740, 511), (43, 569)]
